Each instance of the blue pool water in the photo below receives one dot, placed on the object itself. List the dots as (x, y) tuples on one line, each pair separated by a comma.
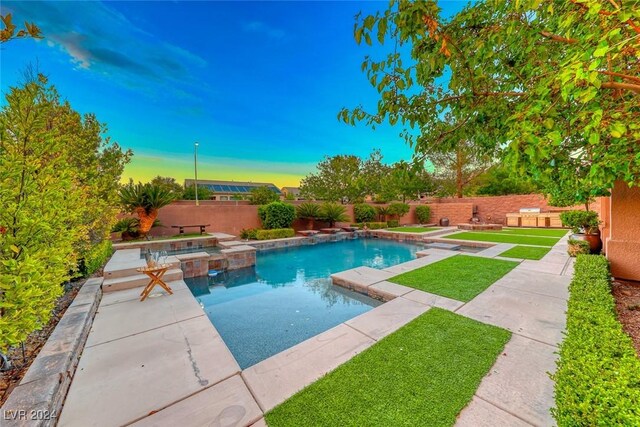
[(288, 296)]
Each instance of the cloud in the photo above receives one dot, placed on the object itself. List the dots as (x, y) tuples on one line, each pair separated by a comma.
[(98, 38), (262, 28)]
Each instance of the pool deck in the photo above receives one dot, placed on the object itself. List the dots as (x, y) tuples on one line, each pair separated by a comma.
[(162, 362)]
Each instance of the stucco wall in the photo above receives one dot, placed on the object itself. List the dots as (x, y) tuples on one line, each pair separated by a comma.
[(623, 242), (494, 208)]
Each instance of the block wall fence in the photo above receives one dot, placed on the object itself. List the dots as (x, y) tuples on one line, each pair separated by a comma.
[(232, 216)]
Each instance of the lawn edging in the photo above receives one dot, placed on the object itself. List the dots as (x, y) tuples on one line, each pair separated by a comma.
[(598, 375)]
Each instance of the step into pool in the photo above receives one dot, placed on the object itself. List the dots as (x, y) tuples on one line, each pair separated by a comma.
[(288, 296)]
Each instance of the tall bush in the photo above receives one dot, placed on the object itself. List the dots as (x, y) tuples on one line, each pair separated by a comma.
[(423, 214), (580, 221), (398, 210), (364, 213), (58, 198), (262, 195), (277, 215)]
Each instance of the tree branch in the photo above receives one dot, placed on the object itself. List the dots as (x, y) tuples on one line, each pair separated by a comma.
[(622, 76), (558, 38), (626, 86)]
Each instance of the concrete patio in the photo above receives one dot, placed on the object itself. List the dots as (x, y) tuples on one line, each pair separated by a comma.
[(162, 361)]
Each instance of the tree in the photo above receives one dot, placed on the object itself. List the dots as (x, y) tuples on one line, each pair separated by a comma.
[(344, 178), (456, 170), (262, 195), (500, 181), (552, 87), (57, 185), (145, 200), (170, 185), (9, 31), (406, 181), (189, 193)]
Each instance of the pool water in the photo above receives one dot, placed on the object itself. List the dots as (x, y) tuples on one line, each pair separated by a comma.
[(288, 296)]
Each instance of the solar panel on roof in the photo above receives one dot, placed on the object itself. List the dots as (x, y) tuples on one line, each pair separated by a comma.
[(217, 187)]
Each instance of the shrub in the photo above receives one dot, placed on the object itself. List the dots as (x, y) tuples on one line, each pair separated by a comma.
[(597, 381), (277, 215), (577, 247), (364, 213), (262, 196), (95, 258), (580, 221), (276, 233), (332, 213), (423, 214), (308, 210), (371, 225), (383, 212), (393, 223), (249, 233), (398, 209)]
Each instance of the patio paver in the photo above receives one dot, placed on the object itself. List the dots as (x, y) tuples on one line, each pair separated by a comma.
[(387, 318), (228, 403), (134, 293), (433, 300), (518, 382), (483, 414), (134, 317), (536, 316), (121, 381), (277, 378), (387, 290), (542, 266), (551, 285), (360, 278)]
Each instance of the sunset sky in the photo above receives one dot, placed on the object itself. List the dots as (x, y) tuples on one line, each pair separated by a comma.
[(257, 84)]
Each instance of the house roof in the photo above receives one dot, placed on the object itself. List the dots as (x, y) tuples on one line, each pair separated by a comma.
[(231, 187)]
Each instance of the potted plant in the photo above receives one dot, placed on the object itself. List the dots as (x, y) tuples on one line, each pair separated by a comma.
[(584, 225), (308, 211)]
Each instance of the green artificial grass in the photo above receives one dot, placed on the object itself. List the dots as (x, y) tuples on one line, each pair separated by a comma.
[(413, 229), (423, 374), (525, 252), (498, 237), (460, 277), (544, 232)]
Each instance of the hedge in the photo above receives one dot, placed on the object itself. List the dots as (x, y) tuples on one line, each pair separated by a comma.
[(423, 214), (363, 212), (276, 233), (95, 258), (393, 223), (598, 375), (277, 215), (371, 225)]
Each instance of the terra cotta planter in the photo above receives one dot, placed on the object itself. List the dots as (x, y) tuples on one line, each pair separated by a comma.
[(595, 242)]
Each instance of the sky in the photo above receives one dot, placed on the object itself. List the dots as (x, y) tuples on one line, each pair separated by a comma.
[(257, 84)]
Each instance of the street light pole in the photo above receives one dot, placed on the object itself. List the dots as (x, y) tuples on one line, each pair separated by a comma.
[(195, 165)]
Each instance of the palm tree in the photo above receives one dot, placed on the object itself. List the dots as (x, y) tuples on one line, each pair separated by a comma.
[(308, 211), (332, 213), (145, 200)]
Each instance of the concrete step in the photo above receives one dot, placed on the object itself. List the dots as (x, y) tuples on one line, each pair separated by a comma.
[(137, 280), (129, 268)]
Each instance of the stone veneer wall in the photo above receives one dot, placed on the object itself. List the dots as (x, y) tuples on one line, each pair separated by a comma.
[(169, 245)]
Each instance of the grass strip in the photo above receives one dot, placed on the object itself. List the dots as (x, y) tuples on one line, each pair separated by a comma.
[(542, 232), (413, 229), (460, 277), (423, 374), (525, 252), (504, 238)]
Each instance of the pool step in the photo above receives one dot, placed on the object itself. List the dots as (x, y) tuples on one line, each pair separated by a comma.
[(137, 280), (447, 246)]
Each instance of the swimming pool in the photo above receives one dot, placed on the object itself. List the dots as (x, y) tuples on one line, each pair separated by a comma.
[(288, 296)]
